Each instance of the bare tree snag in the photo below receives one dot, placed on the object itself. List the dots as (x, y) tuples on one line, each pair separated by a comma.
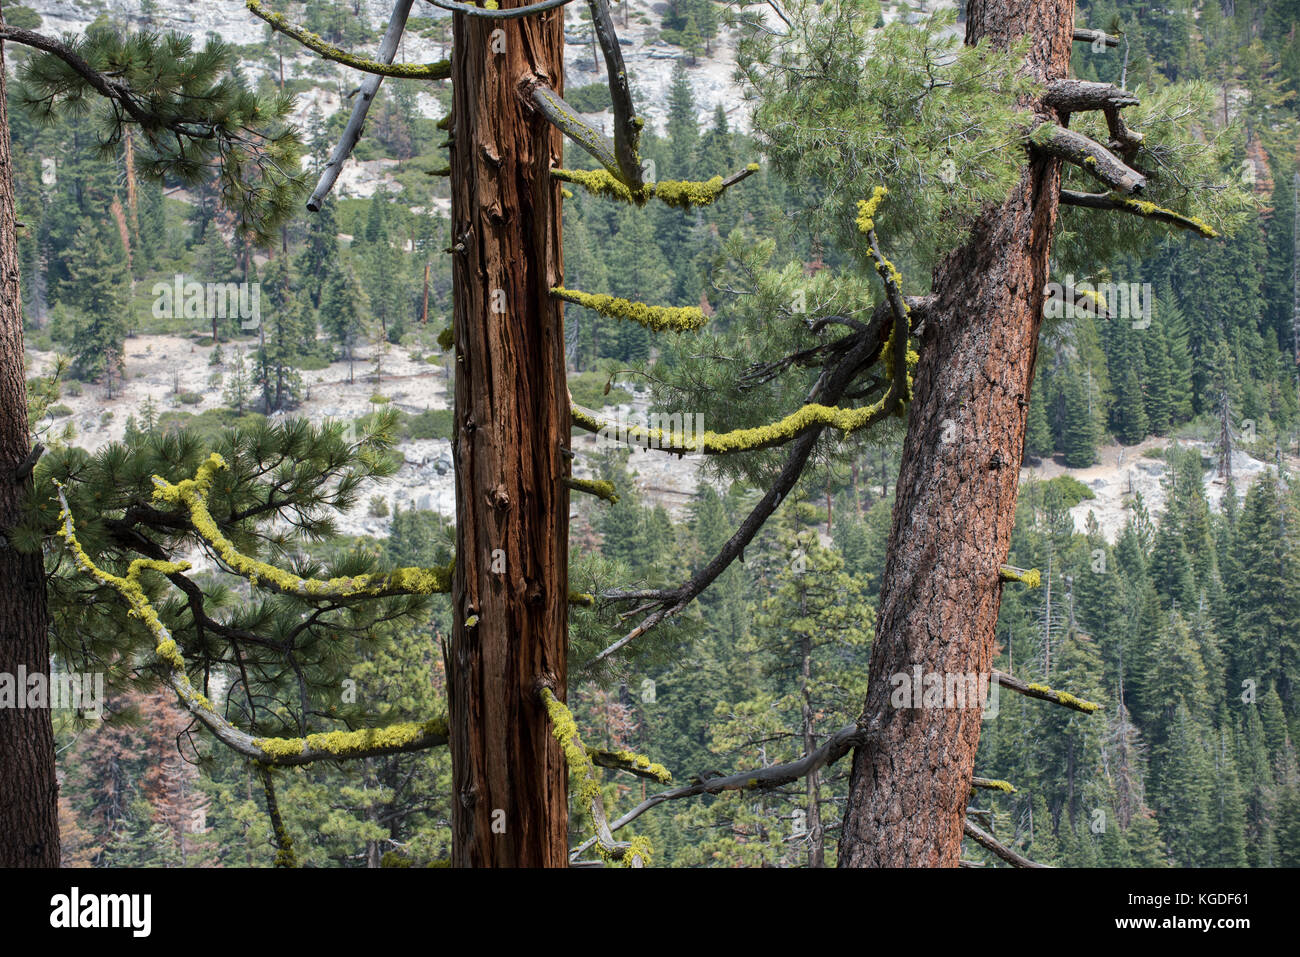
[(510, 587), (957, 490), (29, 798)]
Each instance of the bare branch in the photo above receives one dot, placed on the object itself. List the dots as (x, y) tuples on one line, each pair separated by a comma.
[(989, 842), (1082, 35), (1077, 96), (627, 125), (759, 779), (369, 87), (1088, 155)]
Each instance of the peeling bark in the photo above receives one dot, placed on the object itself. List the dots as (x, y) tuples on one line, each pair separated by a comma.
[(510, 588)]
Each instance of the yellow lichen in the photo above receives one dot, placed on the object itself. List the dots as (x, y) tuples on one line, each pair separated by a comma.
[(867, 209), (440, 70), (682, 194), (655, 318), (564, 727), (1031, 577), (1065, 698), (344, 744)]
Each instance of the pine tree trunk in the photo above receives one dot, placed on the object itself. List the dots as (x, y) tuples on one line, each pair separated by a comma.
[(956, 494), (510, 589), (29, 818)]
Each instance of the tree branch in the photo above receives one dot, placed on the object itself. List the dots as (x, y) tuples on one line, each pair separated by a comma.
[(760, 779), (989, 842), (1077, 96), (1088, 155), (1109, 203), (331, 746), (565, 119), (407, 71), (369, 87), (1044, 693), (1082, 35), (627, 125)]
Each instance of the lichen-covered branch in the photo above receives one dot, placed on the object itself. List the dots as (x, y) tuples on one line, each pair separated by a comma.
[(655, 318), (631, 762), (331, 746), (440, 70), (597, 487), (804, 426), (369, 88), (993, 784), (990, 843), (284, 854), (807, 418), (1121, 204), (566, 119), (191, 494), (1026, 576), (1089, 155), (1044, 693), (634, 853), (901, 360), (681, 194)]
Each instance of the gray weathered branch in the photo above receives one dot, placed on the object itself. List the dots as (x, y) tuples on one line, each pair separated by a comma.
[(989, 842), (565, 118), (1088, 155), (627, 126), (369, 87), (1076, 96), (1082, 35)]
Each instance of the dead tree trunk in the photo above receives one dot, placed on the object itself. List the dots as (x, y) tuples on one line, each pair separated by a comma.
[(510, 589), (29, 793), (956, 494)]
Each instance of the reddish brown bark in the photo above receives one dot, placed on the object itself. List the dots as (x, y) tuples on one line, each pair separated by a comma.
[(29, 794), (956, 494), (510, 589)]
